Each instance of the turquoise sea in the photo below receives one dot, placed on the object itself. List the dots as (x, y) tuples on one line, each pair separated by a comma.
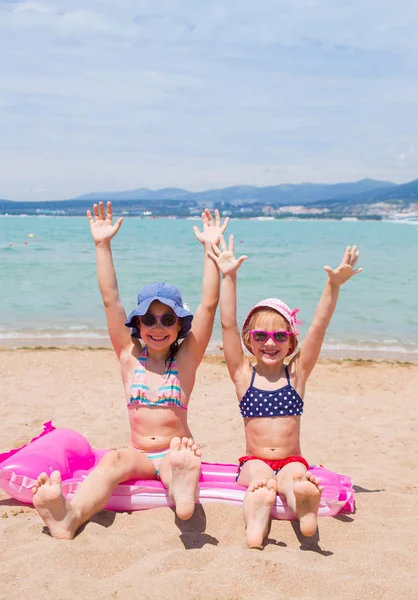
[(49, 294)]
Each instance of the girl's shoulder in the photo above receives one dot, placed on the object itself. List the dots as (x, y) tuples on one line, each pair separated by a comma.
[(243, 377), (131, 356)]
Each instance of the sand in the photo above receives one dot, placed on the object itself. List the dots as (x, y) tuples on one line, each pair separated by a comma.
[(360, 419)]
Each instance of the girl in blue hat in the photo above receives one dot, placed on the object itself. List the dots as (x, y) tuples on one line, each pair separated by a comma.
[(159, 346)]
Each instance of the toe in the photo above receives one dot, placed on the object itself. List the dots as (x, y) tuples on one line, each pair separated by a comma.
[(42, 479), (175, 443), (55, 477), (196, 449), (272, 484)]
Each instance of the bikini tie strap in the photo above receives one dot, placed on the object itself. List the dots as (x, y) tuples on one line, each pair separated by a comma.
[(286, 370)]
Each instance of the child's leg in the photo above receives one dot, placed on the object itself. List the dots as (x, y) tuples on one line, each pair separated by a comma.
[(64, 518), (258, 501), (302, 492), (180, 472)]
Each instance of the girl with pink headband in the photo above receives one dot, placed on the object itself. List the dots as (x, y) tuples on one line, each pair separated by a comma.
[(270, 394)]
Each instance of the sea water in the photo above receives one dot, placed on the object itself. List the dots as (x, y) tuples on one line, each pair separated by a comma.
[(49, 292)]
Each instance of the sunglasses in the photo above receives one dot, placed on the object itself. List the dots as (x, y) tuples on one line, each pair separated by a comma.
[(260, 335), (168, 319)]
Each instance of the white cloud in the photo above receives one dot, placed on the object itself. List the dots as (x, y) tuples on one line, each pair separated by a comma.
[(131, 94), (32, 7)]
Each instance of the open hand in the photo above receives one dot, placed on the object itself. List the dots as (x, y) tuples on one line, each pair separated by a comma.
[(225, 258), (101, 226), (212, 229), (346, 269)]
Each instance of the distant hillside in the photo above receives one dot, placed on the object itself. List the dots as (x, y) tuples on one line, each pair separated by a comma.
[(405, 193), (139, 194), (339, 198), (278, 195), (80, 206)]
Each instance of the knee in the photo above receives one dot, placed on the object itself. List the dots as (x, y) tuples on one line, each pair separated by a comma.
[(111, 460)]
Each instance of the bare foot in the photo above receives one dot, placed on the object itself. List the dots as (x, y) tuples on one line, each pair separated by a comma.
[(257, 506), (308, 495), (52, 507), (184, 458)]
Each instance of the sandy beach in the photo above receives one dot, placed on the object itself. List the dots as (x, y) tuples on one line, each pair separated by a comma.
[(360, 420)]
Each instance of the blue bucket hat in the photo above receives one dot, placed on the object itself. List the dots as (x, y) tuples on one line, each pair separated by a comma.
[(166, 293)]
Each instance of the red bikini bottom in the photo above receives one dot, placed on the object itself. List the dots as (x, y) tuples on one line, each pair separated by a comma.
[(275, 464)]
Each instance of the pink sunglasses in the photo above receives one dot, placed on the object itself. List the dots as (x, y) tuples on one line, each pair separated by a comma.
[(260, 335)]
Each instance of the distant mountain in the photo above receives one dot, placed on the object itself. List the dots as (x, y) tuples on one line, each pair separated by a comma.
[(139, 194), (278, 195), (405, 192), (176, 201)]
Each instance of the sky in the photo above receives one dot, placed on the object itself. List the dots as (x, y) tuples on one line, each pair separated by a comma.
[(116, 95)]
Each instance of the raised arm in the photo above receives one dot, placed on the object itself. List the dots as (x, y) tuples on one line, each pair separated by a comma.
[(103, 230), (228, 265), (195, 344), (312, 344)]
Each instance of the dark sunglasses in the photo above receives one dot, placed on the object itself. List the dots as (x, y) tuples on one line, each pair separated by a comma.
[(168, 319), (260, 335)]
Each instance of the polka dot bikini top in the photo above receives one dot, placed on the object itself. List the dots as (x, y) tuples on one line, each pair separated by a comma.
[(283, 402)]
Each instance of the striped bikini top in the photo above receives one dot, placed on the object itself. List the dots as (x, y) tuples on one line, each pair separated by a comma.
[(169, 393)]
